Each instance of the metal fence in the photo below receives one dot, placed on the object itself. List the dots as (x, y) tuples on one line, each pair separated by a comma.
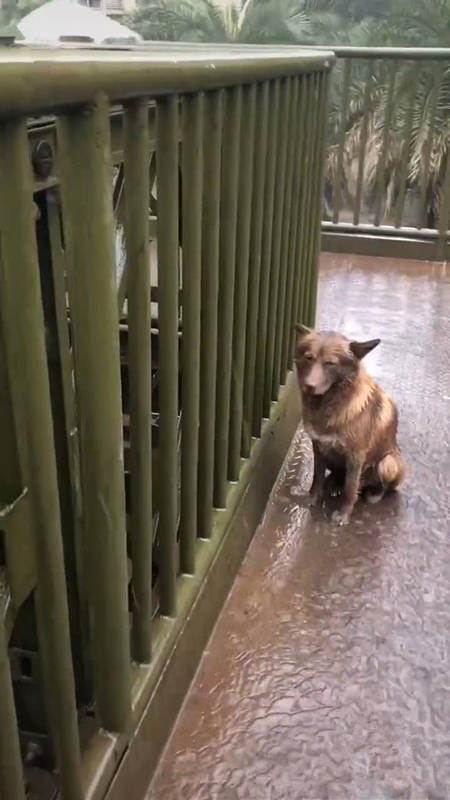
[(159, 237), (388, 169)]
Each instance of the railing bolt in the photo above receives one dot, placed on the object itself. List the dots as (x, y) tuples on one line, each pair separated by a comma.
[(42, 159)]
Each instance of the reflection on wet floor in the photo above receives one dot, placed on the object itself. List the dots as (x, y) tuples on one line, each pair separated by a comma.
[(328, 674)]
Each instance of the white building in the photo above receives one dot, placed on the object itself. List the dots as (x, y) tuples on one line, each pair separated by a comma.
[(114, 8), (68, 20)]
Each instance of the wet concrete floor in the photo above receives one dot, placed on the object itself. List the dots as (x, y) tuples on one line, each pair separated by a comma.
[(328, 674)]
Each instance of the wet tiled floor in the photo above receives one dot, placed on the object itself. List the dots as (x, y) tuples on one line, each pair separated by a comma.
[(328, 674)]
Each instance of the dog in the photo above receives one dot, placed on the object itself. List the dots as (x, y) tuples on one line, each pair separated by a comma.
[(351, 421)]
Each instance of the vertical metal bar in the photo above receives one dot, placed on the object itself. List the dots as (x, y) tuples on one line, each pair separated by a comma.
[(259, 180), (309, 217), (25, 334), (338, 177), (292, 149), (241, 280), (192, 165), (407, 128), (137, 199), (319, 181), (363, 143), (285, 360), (388, 114), (276, 242), (297, 260), (66, 437), (85, 170), (212, 145), (437, 71), (444, 213), (167, 135), (54, 304), (273, 133), (227, 252), (12, 785)]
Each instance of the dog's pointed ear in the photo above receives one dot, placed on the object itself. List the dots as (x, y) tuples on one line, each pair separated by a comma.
[(301, 330), (361, 349)]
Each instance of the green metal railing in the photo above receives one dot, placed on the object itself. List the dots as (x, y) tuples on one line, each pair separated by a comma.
[(129, 403), (388, 148)]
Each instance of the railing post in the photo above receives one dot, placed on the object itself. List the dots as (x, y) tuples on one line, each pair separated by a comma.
[(309, 222), (363, 143), (12, 785), (291, 156), (437, 75), (406, 146), (137, 199), (192, 166), (167, 141), (380, 178), (27, 362), (295, 232), (301, 245), (319, 181), (227, 254), (339, 174), (259, 181), (273, 134), (277, 233), (212, 149), (241, 280), (86, 188)]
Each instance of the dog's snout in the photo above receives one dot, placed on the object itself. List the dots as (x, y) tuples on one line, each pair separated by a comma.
[(310, 382), (314, 377)]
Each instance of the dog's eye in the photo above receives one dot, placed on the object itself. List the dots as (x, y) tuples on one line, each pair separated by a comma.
[(308, 356)]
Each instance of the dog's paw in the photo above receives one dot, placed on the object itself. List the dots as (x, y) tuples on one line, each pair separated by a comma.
[(375, 497), (340, 517)]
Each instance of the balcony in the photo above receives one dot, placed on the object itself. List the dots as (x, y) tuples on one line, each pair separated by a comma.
[(327, 673), (160, 221)]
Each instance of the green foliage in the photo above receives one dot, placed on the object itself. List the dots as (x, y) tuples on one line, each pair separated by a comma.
[(12, 12), (421, 91), (257, 22), (422, 23), (362, 9)]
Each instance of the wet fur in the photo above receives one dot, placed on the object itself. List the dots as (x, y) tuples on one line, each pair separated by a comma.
[(351, 421)]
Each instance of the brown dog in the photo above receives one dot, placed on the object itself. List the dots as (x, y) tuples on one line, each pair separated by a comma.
[(351, 421)]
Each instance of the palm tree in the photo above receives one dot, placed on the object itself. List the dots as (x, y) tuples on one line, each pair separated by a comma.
[(422, 23), (256, 22), (421, 109), (12, 12)]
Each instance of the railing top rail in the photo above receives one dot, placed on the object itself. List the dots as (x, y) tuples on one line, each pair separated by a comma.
[(397, 53), (33, 80)]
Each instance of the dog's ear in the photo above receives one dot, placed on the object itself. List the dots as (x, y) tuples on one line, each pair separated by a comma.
[(302, 330), (361, 349)]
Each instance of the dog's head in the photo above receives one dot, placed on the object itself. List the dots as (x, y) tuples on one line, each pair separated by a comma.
[(327, 359)]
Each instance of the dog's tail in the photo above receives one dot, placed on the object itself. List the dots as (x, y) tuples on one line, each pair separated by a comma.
[(391, 470)]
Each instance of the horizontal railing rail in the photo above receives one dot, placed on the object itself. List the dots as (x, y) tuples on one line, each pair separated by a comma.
[(33, 81), (388, 168), (159, 235)]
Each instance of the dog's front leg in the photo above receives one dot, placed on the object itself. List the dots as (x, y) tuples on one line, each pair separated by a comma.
[(351, 489), (316, 491)]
